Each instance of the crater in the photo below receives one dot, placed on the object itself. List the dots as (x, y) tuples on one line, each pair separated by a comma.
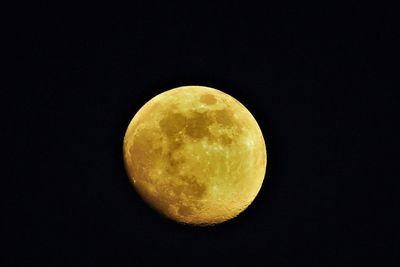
[(173, 163), (177, 189), (197, 125), (193, 188), (208, 99), (185, 210), (175, 144), (224, 139), (173, 157), (224, 117), (172, 123)]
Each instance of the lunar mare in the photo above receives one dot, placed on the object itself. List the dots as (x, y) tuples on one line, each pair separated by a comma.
[(195, 154)]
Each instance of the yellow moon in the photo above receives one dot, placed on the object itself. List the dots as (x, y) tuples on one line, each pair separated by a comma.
[(196, 155)]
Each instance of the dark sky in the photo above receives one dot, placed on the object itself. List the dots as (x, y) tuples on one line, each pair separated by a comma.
[(318, 79)]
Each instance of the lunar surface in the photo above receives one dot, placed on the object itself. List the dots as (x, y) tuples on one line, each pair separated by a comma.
[(196, 155)]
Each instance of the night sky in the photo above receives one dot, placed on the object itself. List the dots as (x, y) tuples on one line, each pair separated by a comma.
[(319, 80)]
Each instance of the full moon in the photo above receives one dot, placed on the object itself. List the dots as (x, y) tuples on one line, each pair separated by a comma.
[(196, 155)]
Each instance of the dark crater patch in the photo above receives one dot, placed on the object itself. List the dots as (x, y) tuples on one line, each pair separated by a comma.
[(208, 99), (172, 123), (225, 139), (185, 210), (193, 188), (197, 125), (224, 117)]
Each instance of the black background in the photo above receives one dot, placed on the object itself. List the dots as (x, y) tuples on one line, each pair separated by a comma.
[(318, 79)]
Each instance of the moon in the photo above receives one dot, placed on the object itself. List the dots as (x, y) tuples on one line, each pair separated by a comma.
[(196, 155)]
